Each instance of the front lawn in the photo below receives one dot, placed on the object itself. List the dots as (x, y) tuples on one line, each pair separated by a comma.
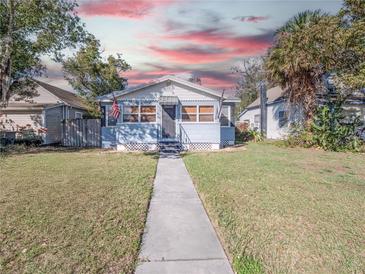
[(73, 212), (281, 210)]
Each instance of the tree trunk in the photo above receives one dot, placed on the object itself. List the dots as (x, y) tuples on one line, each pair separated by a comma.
[(6, 63)]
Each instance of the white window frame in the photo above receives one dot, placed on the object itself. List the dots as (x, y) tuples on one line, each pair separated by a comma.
[(196, 114), (197, 121), (123, 113), (257, 124), (139, 104), (78, 113), (140, 113), (209, 113), (285, 117), (229, 116)]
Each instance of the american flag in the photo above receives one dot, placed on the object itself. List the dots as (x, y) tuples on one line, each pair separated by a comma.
[(115, 112)]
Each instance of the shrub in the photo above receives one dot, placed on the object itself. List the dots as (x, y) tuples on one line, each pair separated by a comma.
[(243, 134), (299, 136), (329, 130), (28, 138)]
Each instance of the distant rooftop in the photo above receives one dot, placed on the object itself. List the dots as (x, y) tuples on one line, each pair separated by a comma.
[(67, 97)]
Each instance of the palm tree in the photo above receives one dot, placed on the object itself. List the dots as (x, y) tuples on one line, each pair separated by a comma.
[(289, 63), (302, 20)]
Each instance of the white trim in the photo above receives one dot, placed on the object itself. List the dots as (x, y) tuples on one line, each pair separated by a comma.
[(55, 106), (78, 112), (139, 104), (177, 134), (197, 113), (195, 123), (161, 80), (229, 116)]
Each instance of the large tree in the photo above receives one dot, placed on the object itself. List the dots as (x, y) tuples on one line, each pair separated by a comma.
[(250, 72), (30, 30), (313, 45), (91, 75), (290, 62)]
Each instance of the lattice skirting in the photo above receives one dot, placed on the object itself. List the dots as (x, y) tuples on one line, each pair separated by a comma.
[(138, 147), (200, 146), (156, 146)]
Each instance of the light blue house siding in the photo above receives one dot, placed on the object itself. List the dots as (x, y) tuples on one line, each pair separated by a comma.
[(227, 135), (108, 137), (137, 133), (203, 131), (187, 132)]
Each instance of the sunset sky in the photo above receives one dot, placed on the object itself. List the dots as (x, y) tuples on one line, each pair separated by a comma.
[(203, 37)]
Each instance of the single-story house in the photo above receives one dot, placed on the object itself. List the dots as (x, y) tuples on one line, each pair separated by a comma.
[(43, 113), (168, 110), (280, 114)]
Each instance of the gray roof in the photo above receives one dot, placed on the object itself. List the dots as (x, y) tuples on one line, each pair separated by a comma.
[(67, 97), (274, 94)]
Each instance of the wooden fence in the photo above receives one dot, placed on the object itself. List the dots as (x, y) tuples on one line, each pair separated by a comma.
[(81, 133)]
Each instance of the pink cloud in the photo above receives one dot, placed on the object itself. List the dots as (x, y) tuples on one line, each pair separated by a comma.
[(121, 8), (251, 19), (195, 55), (142, 77), (226, 45), (217, 83), (212, 79), (226, 40)]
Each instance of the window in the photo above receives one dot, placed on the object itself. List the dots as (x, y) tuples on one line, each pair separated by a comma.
[(110, 121), (189, 114), (148, 114), (206, 113), (78, 115), (225, 114), (197, 114), (142, 114), (283, 118), (256, 121), (130, 114)]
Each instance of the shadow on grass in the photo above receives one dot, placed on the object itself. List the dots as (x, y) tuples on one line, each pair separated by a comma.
[(20, 149)]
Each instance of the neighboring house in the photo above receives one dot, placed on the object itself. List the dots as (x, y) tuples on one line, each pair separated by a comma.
[(280, 114), (169, 109), (43, 113)]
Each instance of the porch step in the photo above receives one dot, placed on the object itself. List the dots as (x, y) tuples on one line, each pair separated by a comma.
[(170, 147)]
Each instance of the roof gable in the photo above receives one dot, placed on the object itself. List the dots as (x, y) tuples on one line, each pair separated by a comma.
[(166, 79), (66, 97)]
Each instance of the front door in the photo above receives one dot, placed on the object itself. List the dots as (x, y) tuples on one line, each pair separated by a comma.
[(168, 122)]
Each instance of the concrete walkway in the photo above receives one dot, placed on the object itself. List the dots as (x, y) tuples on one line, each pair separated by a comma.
[(179, 237)]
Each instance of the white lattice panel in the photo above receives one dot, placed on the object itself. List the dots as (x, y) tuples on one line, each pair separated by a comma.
[(200, 146), (138, 147)]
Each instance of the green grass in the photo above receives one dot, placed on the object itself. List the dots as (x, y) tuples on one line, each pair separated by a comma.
[(73, 212), (281, 210)]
